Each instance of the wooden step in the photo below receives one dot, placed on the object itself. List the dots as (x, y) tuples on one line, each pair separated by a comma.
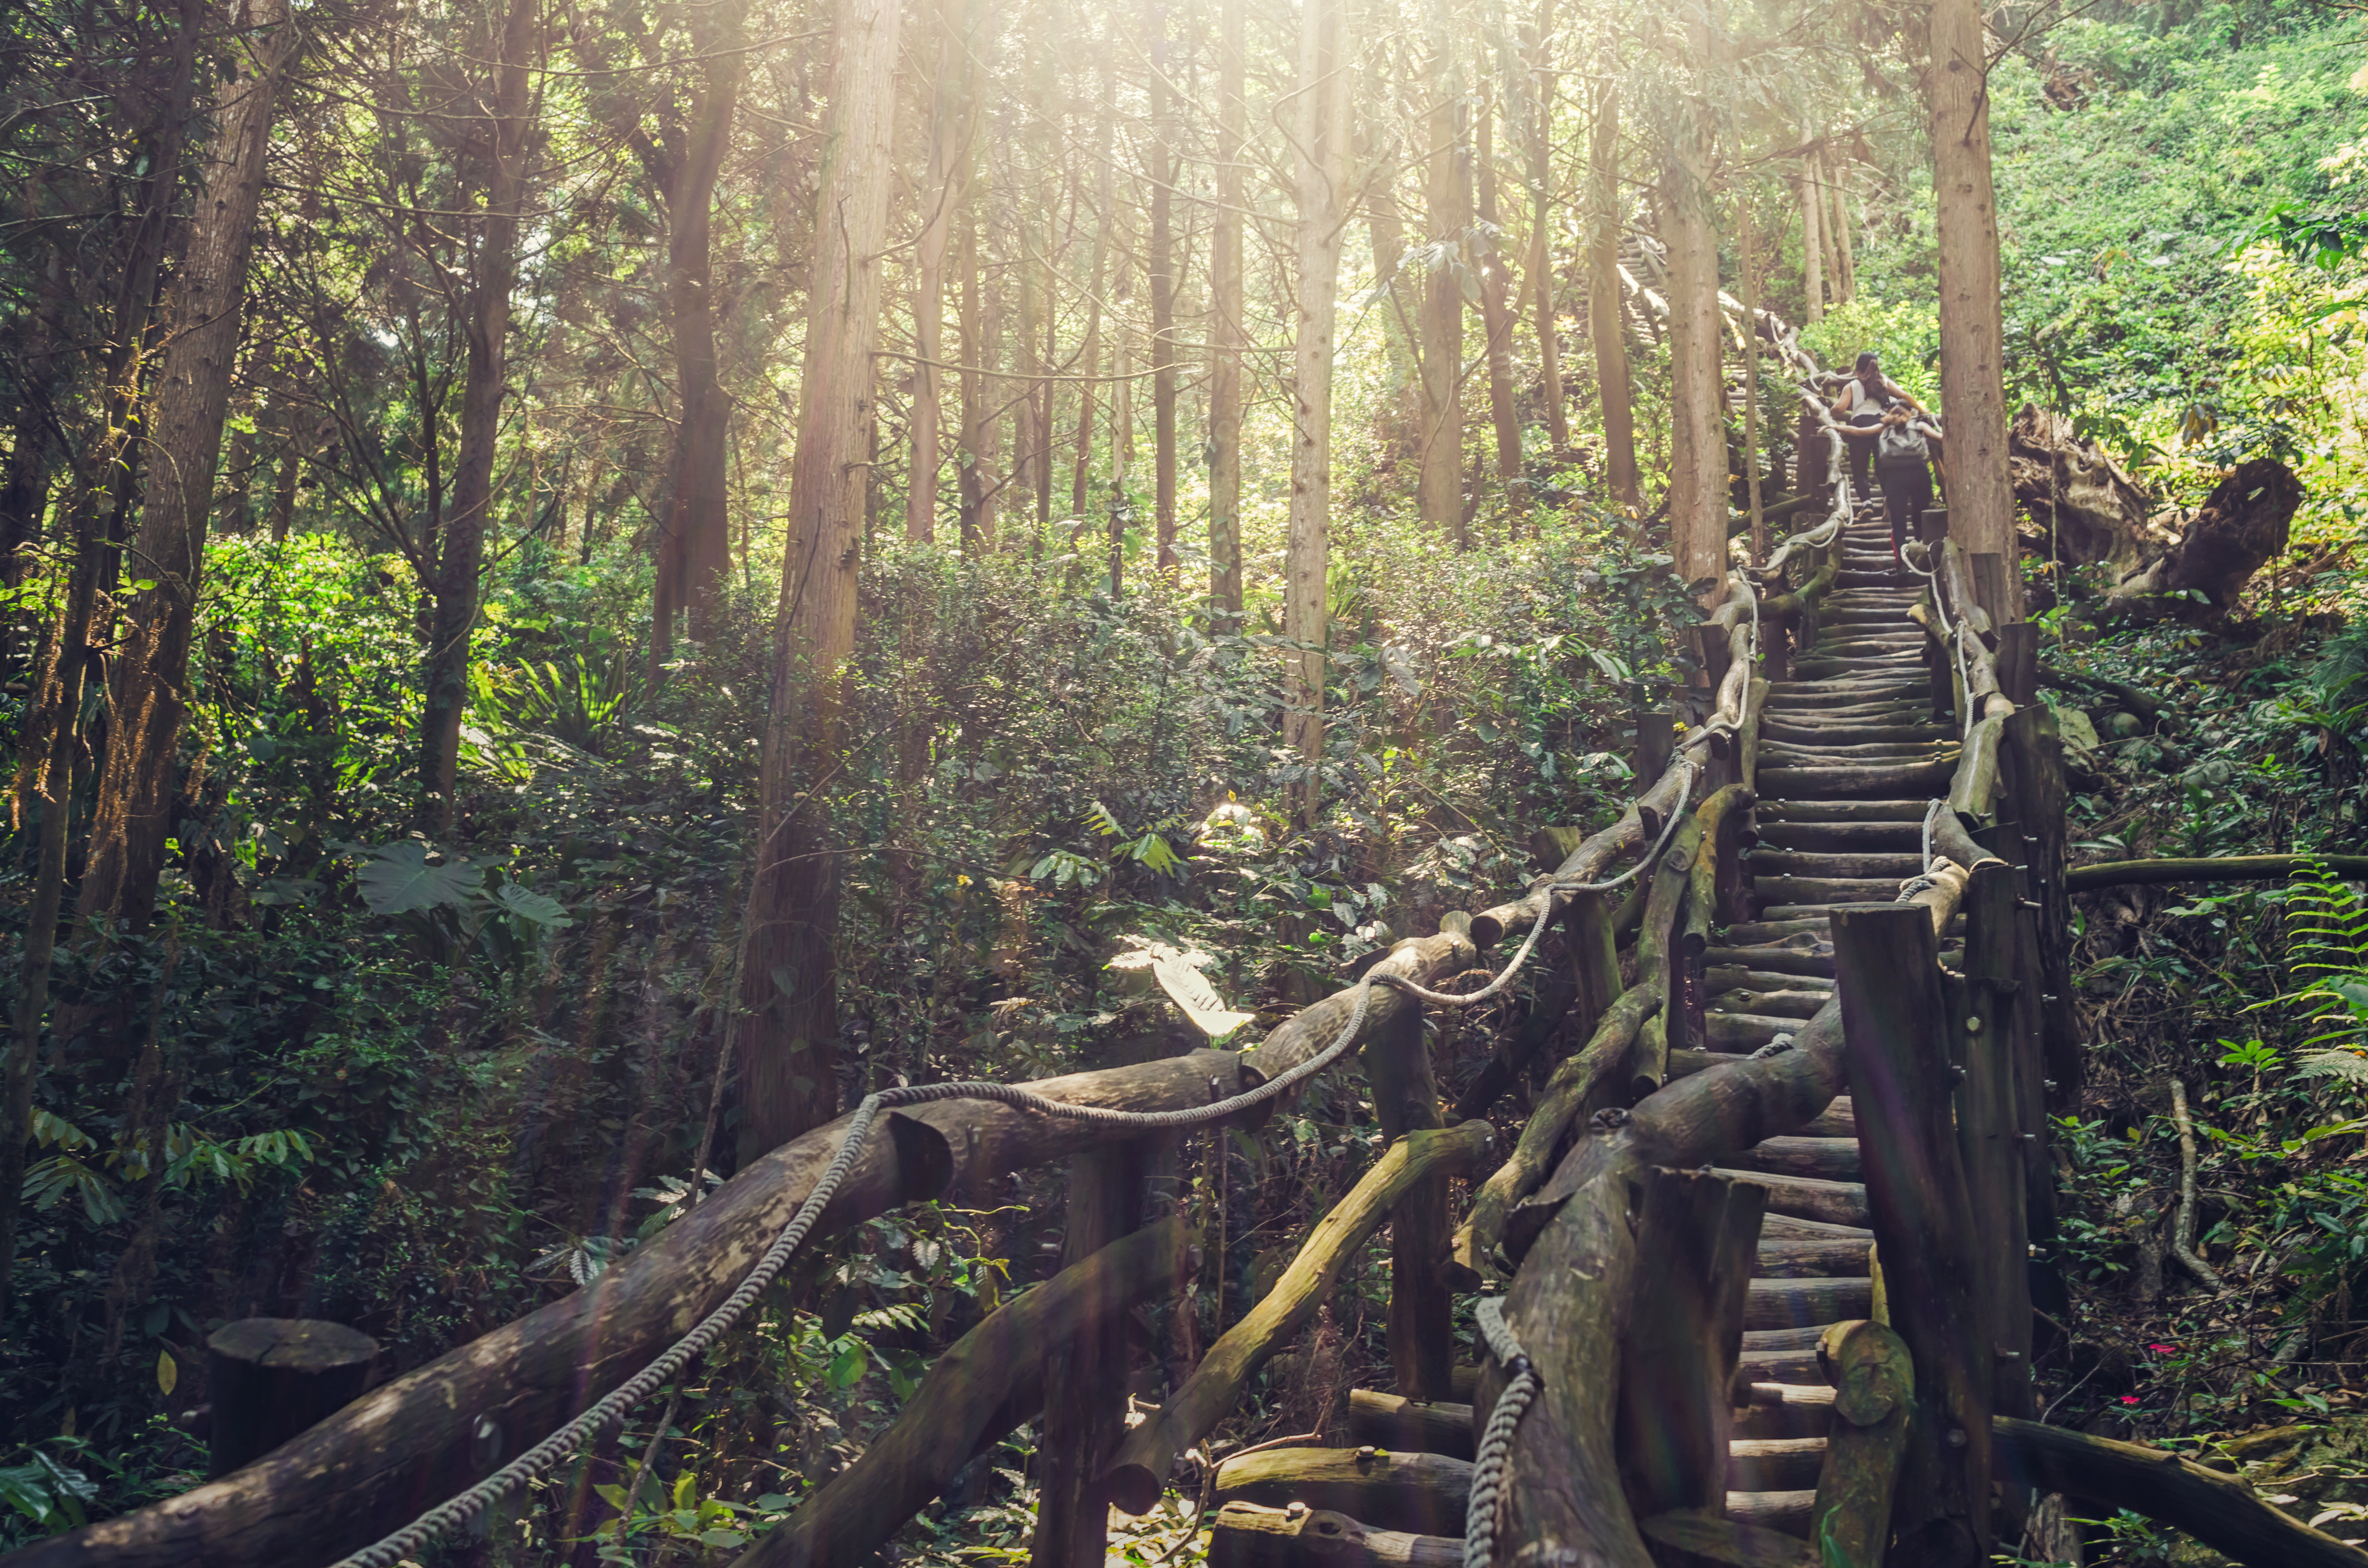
[(1816, 737), (1770, 1004), (1826, 1159), (1835, 1203), (1838, 1119), (1767, 933), (1806, 1301), (1774, 1465), (1810, 1260), (1721, 978), (1774, 811), (1778, 1411), (1810, 959), (1773, 862), (1872, 781), (1830, 753), (1744, 1032), (1424, 1494), (1841, 837), (1785, 1512), (1392, 1421), (1792, 1227), (1811, 891)]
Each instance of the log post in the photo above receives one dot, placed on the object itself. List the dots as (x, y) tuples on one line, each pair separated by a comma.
[(1933, 525), (2032, 760), (1696, 1237), (1425, 1493), (2018, 662), (1657, 945), (1421, 1319), (1086, 1379), (1874, 1388), (1886, 968), (1990, 1131), (1244, 1534), (1593, 943), (1656, 736), (272, 1378)]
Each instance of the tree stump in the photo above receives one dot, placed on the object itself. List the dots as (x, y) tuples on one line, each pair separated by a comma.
[(273, 1378)]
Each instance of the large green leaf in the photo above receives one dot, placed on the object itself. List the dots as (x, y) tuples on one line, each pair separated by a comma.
[(398, 879)]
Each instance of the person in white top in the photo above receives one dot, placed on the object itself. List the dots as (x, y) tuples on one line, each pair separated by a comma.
[(1864, 399)]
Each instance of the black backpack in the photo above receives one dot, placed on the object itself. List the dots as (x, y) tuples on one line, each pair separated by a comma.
[(1902, 446)]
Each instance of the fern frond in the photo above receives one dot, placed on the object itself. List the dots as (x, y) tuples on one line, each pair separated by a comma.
[(2350, 1066)]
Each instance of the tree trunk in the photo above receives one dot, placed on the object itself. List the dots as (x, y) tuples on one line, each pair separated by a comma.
[(1973, 385), (1228, 336), (695, 546), (789, 982), (1089, 359), (1603, 322), (1538, 141), (1496, 312), (1162, 273), (1813, 246), (487, 327), (1399, 420), (133, 816), (981, 345), (948, 106), (1439, 489), (1321, 154), (33, 454), (1843, 251), (1698, 393), (1750, 285)]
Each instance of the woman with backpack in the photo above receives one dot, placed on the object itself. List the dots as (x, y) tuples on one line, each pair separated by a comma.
[(1906, 444)]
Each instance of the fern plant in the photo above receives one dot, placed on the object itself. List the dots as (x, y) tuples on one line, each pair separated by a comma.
[(2327, 935)]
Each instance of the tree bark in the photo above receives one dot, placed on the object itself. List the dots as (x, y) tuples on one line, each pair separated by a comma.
[(949, 109), (133, 819), (1084, 1378), (1439, 489), (1498, 313), (1973, 385), (1321, 155), (1813, 244), (1537, 144), (1603, 312), (1228, 335), (789, 981), (1751, 454), (1698, 395), (1843, 249), (1090, 356), (695, 546), (982, 347), (1161, 274), (462, 549)]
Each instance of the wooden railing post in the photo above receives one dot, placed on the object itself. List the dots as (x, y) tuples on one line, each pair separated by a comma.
[(1659, 956), (1990, 1133), (1085, 1382), (1421, 1323), (1886, 966), (2032, 762), (1593, 944), (1656, 736), (1696, 1237)]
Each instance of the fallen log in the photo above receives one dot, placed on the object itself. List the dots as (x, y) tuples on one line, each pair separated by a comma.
[(1139, 1472), (2217, 869), (2218, 1510), (2241, 525), (401, 1448), (1421, 1493), (949, 1415), (1245, 1535)]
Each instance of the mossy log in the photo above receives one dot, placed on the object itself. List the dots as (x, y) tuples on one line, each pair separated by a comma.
[(1139, 1472), (1426, 961), (1566, 1094), (1875, 1392), (1590, 862), (1423, 1493), (1717, 864), (1245, 1535), (1701, 1534), (944, 1422), (1973, 790), (2218, 1510), (1648, 1061), (380, 1461)]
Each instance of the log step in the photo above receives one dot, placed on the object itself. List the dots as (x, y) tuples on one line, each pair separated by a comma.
[(1891, 864), (1795, 735), (1770, 1004), (1778, 1411), (1769, 933), (1774, 1465), (1907, 811), (1402, 1425), (1744, 1031), (1808, 1260), (1826, 1159), (1806, 1197), (1806, 890), (1418, 1492), (1828, 754), (1813, 1301), (1779, 1366), (1811, 960), (1785, 1512), (1723, 977), (1244, 1534), (1872, 781), (1843, 838), (1838, 1119)]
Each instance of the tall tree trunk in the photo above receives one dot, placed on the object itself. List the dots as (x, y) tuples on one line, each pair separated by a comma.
[(51, 739), (787, 1018), (695, 545), (1028, 466), (948, 104), (1400, 420), (1321, 155), (982, 347), (1836, 282), (1749, 284), (1090, 356), (461, 551), (1228, 336), (1844, 253), (191, 401), (1496, 314), (1812, 243), (1603, 312), (1973, 387), (1537, 120), (1440, 492), (33, 453), (1162, 273), (1698, 397)]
